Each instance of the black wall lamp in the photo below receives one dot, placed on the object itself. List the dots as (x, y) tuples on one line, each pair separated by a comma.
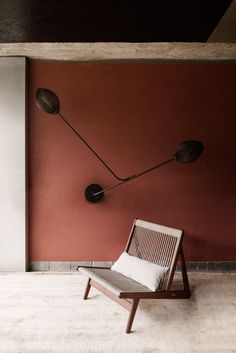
[(186, 152)]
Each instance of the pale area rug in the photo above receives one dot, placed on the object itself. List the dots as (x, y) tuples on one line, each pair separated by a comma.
[(45, 313)]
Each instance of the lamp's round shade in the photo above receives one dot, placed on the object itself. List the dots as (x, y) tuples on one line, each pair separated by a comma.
[(47, 101), (188, 151)]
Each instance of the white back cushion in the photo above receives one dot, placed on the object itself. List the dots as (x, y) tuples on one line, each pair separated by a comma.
[(141, 271)]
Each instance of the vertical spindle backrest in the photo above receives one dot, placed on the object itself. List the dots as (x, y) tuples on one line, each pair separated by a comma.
[(157, 244)]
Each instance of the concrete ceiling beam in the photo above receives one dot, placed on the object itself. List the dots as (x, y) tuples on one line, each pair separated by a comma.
[(121, 51)]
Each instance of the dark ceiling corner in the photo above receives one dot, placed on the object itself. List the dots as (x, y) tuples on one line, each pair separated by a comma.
[(109, 20)]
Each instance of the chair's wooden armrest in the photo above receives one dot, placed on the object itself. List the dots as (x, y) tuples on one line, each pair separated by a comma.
[(102, 267)]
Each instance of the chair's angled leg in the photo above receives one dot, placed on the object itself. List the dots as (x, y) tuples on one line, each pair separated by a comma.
[(184, 275), (87, 289), (132, 315)]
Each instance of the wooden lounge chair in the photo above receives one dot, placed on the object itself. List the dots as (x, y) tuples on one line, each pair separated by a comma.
[(154, 243)]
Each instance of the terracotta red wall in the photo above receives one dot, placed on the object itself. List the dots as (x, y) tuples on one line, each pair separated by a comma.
[(134, 115)]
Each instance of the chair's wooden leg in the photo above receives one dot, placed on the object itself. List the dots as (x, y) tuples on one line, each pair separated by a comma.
[(184, 275), (87, 289), (131, 315)]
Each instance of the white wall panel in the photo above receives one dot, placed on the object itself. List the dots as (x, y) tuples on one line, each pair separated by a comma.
[(12, 164)]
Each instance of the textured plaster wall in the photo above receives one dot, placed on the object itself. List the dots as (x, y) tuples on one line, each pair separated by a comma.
[(134, 115)]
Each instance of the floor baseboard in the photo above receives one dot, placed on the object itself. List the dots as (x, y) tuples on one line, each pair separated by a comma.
[(192, 266)]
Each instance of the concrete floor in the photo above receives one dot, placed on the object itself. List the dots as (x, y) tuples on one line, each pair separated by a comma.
[(44, 312)]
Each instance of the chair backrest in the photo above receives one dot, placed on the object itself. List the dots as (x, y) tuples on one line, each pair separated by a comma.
[(157, 244)]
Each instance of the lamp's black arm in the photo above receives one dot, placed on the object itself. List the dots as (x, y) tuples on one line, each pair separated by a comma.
[(91, 149), (186, 152), (135, 176)]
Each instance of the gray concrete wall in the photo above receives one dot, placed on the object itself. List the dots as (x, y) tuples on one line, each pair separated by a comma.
[(225, 31)]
